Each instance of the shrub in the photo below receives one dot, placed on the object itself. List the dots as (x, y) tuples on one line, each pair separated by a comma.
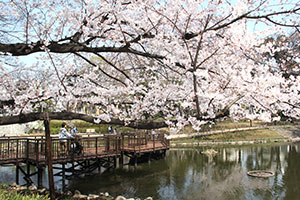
[(13, 195)]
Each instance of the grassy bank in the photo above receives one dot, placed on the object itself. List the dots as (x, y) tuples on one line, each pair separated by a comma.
[(248, 135), (229, 124)]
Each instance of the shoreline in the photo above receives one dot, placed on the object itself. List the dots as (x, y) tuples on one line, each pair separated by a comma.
[(233, 143), (290, 134), (44, 193)]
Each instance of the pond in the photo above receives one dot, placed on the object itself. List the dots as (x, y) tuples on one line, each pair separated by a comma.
[(187, 174)]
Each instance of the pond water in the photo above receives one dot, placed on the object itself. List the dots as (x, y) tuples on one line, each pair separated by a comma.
[(187, 174)]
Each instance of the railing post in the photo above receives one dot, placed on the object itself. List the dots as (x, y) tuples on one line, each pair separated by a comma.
[(69, 147), (106, 143), (153, 142), (117, 138), (122, 142), (134, 142), (8, 147), (96, 146), (37, 150), (119, 142), (139, 143), (17, 153), (42, 143), (116, 143), (27, 149)]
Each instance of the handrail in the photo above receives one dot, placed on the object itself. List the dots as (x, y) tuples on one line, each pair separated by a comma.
[(16, 149)]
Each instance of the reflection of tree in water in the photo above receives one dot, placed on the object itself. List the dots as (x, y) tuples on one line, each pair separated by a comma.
[(260, 157), (186, 174), (194, 174), (291, 183), (184, 166), (265, 158), (225, 176), (128, 181)]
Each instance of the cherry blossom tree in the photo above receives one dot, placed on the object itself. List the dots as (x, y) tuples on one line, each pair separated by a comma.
[(146, 64)]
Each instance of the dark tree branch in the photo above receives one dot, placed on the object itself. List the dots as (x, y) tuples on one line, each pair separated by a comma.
[(225, 111), (91, 63), (114, 66), (57, 73), (219, 25), (10, 102), (22, 49), (275, 14), (206, 59), (213, 28), (280, 24), (293, 105), (257, 101)]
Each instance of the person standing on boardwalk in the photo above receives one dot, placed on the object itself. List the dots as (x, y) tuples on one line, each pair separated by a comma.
[(63, 136)]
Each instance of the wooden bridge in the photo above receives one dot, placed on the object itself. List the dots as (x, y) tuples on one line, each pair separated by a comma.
[(83, 154)]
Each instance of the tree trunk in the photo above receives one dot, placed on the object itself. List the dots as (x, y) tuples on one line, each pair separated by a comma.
[(49, 156)]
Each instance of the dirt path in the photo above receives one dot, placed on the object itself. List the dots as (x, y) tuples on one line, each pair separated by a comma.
[(191, 135)]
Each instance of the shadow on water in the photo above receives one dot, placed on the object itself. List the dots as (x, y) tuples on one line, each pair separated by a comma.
[(187, 174)]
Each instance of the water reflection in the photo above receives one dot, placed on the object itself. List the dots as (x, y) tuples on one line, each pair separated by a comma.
[(186, 174)]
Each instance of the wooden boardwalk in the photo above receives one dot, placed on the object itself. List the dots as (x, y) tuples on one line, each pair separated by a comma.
[(83, 155), (33, 149)]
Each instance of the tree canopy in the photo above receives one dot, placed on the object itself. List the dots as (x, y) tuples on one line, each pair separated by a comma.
[(148, 64)]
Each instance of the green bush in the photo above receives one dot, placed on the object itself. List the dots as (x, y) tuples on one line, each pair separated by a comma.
[(12, 195), (3, 186)]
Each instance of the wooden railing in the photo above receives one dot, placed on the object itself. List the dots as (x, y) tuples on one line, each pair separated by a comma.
[(12, 148), (144, 141), (33, 149)]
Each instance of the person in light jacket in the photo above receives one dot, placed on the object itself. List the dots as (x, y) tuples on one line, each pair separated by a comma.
[(63, 136)]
